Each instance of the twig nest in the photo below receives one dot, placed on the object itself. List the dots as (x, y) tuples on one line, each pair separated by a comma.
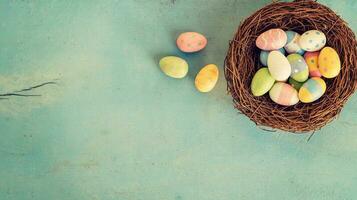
[(319, 26)]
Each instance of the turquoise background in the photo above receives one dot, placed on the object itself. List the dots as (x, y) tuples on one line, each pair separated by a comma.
[(115, 127)]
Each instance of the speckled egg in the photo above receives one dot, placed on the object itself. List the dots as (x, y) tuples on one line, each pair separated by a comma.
[(263, 57), (299, 69), (174, 67), (311, 59), (262, 82), (279, 66), (292, 44), (296, 84), (312, 90), (272, 39), (191, 42), (329, 63), (284, 94), (312, 40), (207, 78)]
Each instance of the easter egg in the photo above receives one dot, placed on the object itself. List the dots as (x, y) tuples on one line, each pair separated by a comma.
[(191, 42), (329, 63), (271, 40), (299, 69), (262, 82), (311, 59), (312, 40), (292, 44), (173, 66), (263, 57), (312, 90), (283, 94), (279, 66), (296, 84), (207, 78)]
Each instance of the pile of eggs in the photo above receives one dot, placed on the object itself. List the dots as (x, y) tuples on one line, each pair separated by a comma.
[(176, 67), (299, 75)]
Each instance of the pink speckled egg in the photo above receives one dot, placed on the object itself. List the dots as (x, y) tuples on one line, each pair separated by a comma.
[(272, 39), (190, 42)]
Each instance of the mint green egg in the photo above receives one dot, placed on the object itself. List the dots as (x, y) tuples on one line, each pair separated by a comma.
[(299, 68), (262, 82), (174, 67), (296, 84)]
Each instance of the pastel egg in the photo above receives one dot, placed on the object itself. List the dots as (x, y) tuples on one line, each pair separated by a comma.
[(173, 66), (263, 57), (329, 63), (312, 90), (207, 78), (191, 42), (271, 40), (311, 59), (299, 68), (296, 84), (312, 40), (284, 94), (262, 82), (292, 44), (279, 66)]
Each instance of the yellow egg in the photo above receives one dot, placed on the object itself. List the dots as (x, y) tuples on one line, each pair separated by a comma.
[(329, 63), (312, 90), (207, 78)]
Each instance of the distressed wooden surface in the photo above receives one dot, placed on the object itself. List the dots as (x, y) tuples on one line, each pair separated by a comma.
[(115, 127)]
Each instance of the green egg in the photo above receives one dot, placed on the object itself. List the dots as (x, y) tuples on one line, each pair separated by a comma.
[(299, 68), (262, 82), (174, 67), (296, 84)]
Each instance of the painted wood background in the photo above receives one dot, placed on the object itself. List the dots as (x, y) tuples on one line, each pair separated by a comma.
[(115, 127)]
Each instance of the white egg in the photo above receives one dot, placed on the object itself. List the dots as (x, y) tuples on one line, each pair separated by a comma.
[(279, 66), (312, 40)]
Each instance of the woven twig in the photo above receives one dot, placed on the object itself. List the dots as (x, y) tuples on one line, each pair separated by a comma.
[(242, 62)]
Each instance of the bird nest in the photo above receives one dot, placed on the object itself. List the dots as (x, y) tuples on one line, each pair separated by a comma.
[(242, 61)]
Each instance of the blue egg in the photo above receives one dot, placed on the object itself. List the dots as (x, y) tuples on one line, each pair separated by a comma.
[(291, 35), (264, 56), (282, 50), (292, 45), (300, 51)]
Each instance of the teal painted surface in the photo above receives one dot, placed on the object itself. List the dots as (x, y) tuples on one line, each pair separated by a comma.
[(115, 127)]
